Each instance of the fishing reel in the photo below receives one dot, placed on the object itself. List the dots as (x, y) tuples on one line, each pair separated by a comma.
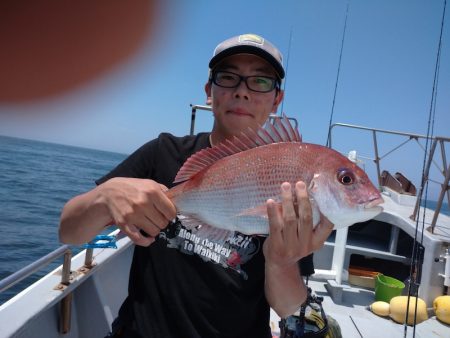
[(309, 323)]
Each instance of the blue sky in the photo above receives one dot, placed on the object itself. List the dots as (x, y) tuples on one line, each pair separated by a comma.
[(385, 81)]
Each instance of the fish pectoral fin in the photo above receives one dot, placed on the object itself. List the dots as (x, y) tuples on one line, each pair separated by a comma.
[(259, 210)]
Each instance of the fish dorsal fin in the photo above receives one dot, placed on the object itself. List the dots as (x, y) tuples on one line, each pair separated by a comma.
[(278, 130)]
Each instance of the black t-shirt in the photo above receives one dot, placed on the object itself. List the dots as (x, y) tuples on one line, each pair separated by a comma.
[(182, 286)]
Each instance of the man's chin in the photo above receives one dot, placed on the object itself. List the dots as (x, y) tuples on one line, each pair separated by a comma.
[(241, 124)]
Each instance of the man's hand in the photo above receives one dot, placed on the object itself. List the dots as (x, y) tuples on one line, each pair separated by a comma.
[(138, 204), (292, 235)]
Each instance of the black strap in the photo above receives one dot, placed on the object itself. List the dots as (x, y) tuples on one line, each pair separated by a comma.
[(299, 331)]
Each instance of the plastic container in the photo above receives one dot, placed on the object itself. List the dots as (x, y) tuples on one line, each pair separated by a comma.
[(387, 287), (362, 276)]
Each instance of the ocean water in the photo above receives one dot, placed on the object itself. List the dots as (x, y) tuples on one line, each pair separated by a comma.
[(36, 180)]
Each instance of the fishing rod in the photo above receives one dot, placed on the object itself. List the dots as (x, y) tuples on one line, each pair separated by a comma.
[(286, 72), (337, 76), (417, 254)]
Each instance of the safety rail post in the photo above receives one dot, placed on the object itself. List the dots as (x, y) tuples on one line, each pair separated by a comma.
[(194, 110), (424, 180), (444, 165), (65, 278), (66, 302), (89, 258), (444, 190), (377, 158)]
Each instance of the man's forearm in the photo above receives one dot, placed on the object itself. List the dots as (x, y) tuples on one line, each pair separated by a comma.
[(82, 218), (285, 289)]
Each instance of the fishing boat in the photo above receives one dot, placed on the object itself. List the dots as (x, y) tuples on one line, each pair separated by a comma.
[(82, 297), (408, 242)]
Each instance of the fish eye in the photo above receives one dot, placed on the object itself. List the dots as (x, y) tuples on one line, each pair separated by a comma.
[(345, 177)]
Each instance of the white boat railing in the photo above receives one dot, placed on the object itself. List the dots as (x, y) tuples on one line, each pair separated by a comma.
[(196, 107), (63, 250), (431, 159), (39, 264)]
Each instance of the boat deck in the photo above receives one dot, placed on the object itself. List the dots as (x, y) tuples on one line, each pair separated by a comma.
[(356, 321), (97, 300)]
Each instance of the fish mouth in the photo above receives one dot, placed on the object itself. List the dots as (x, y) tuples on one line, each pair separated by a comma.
[(374, 203)]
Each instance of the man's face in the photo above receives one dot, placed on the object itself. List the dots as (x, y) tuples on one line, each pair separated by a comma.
[(236, 109)]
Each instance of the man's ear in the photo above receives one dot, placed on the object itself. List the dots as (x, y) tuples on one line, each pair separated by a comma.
[(278, 98), (208, 93)]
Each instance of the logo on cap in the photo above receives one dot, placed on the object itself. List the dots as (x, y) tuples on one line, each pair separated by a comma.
[(251, 38)]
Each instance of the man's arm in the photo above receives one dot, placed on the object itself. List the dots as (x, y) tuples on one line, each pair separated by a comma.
[(132, 204), (292, 237)]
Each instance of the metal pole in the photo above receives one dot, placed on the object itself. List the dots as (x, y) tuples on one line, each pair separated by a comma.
[(377, 158), (65, 278), (444, 162), (66, 313), (444, 190), (66, 302), (89, 258), (194, 109), (424, 180)]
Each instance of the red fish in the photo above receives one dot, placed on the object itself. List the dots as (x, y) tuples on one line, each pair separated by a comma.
[(227, 186)]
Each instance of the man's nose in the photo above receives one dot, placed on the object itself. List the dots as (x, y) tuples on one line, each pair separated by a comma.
[(242, 90)]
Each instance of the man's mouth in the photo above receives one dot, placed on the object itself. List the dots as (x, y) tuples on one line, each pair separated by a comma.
[(239, 112)]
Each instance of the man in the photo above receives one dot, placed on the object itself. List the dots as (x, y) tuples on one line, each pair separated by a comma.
[(178, 288)]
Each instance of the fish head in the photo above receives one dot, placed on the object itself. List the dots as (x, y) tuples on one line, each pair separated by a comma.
[(344, 193)]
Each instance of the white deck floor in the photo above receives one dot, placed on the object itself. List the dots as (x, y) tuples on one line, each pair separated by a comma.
[(356, 321)]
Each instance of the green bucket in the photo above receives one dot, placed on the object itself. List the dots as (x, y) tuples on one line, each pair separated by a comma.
[(387, 287)]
